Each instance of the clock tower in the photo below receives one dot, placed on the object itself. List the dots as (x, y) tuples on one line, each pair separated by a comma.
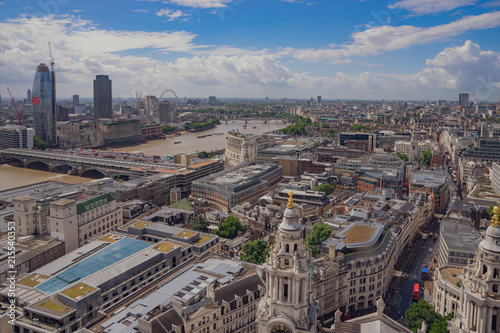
[(288, 304)]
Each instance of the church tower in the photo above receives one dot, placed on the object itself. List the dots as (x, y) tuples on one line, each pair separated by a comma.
[(480, 295), (288, 304), (413, 142)]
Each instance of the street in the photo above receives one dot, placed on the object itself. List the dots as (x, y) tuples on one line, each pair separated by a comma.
[(418, 255)]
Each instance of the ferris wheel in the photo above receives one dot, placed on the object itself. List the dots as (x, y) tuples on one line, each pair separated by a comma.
[(170, 96)]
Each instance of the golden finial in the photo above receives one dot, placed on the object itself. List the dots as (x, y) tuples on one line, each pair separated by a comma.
[(290, 200), (494, 219)]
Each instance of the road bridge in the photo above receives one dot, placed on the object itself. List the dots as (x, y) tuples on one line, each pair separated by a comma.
[(66, 161)]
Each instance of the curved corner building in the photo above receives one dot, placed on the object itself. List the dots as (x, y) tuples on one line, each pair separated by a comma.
[(44, 119)]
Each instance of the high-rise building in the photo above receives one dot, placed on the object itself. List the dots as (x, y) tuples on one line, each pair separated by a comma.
[(212, 100), (28, 96), (43, 101), (15, 136), (463, 100), (165, 112), (150, 102), (102, 97), (319, 99), (76, 100)]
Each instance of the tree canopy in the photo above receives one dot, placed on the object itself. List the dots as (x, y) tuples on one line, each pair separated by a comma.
[(255, 252), (229, 227), (39, 143), (321, 231), (402, 156), (327, 188), (200, 224), (423, 311), (357, 127), (425, 157)]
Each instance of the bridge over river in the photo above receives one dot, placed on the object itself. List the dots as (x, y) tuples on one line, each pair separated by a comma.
[(65, 162)]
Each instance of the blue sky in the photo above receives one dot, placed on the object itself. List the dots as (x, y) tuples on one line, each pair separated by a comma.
[(408, 49)]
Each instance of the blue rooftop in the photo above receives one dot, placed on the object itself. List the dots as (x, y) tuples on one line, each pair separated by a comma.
[(100, 260)]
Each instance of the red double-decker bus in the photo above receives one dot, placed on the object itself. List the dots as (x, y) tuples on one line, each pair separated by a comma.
[(416, 292)]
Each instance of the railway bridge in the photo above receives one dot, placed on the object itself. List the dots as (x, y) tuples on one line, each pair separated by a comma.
[(70, 162)]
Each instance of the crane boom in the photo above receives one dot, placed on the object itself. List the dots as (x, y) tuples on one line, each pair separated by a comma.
[(51, 58), (19, 115)]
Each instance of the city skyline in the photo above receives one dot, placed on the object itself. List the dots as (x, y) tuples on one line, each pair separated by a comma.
[(403, 50)]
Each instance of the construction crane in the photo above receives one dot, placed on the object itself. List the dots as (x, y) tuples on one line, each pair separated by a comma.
[(51, 59), (19, 115)]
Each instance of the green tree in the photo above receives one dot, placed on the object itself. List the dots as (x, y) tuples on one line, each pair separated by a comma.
[(167, 200), (200, 224), (403, 157), (325, 125), (490, 211), (321, 231), (419, 312), (255, 252), (425, 157), (39, 143), (167, 128), (331, 133), (229, 227), (357, 127), (405, 119), (327, 188), (441, 325)]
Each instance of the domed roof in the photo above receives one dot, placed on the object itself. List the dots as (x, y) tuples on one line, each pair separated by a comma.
[(491, 241), (290, 219)]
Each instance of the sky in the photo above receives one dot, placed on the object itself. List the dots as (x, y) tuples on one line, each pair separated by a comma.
[(357, 49)]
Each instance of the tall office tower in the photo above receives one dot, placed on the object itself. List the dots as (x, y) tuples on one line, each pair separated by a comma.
[(28, 96), (212, 100), (319, 99), (76, 100), (165, 112), (150, 104), (102, 97), (43, 108), (441, 102), (463, 100)]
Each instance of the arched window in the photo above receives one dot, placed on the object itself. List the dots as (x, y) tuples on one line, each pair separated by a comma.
[(495, 273), (287, 248), (485, 269), (295, 247)]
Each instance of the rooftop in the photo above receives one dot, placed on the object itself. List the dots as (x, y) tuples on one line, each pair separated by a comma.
[(358, 233), (78, 291), (428, 178), (164, 247), (33, 280), (52, 306), (460, 237), (451, 274), (186, 234)]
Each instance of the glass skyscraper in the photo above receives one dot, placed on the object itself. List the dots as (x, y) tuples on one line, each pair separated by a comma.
[(43, 108)]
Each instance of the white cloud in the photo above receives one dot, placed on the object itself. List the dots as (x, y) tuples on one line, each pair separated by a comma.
[(378, 40), (171, 14), (430, 6), (140, 10), (82, 50), (200, 3)]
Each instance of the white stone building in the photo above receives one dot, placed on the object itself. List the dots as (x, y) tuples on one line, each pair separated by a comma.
[(404, 147), (475, 299), (243, 148)]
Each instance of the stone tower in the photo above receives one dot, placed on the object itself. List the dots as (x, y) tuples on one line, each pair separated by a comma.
[(480, 295), (413, 142), (288, 304)]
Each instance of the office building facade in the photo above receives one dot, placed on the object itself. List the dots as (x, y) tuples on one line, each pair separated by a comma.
[(102, 97), (463, 100), (16, 137)]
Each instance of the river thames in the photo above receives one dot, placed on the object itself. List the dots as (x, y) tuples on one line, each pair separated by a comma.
[(11, 177)]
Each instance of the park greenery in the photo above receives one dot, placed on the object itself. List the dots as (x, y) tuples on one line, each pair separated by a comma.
[(425, 158), (402, 156), (200, 224), (229, 227), (321, 232), (357, 127), (255, 252), (39, 143), (199, 126), (167, 200), (168, 129), (423, 311), (326, 188)]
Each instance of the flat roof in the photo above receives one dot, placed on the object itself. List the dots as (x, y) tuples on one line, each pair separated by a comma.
[(460, 237), (104, 258)]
